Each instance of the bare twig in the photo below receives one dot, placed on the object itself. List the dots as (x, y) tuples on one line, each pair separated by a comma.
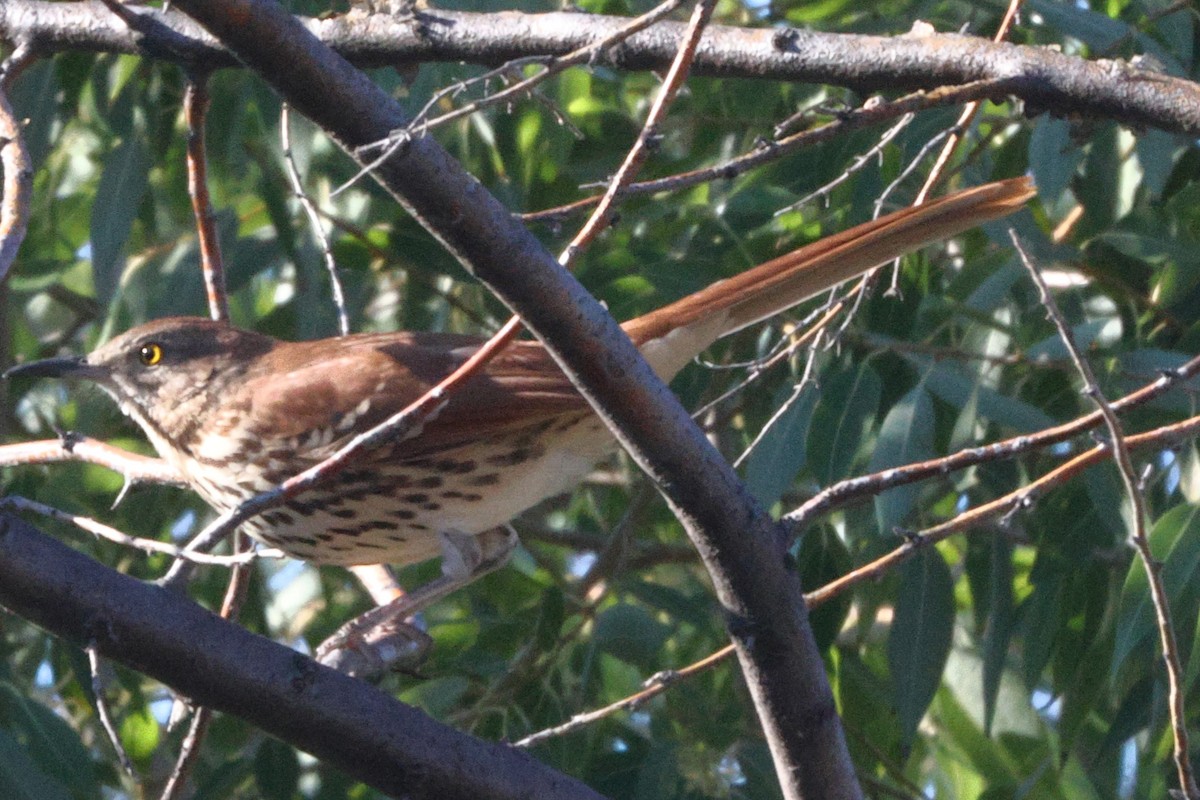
[(212, 267), (18, 185), (1138, 535), (420, 125), (856, 165), (1000, 507), (770, 150), (135, 468), (103, 531), (648, 136), (654, 686), (95, 666), (189, 749), (966, 116), (21, 57), (839, 494), (314, 219)]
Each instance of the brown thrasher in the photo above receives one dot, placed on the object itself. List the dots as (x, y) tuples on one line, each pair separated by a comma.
[(238, 412)]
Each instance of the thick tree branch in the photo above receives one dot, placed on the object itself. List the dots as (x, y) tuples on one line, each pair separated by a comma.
[(1045, 78), (737, 541), (342, 721)]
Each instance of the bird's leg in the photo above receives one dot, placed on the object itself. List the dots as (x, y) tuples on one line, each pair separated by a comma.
[(372, 643)]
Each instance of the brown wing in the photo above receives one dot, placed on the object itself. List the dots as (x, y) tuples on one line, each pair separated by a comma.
[(357, 381)]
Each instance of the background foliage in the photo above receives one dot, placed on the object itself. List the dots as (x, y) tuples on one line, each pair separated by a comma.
[(1015, 661)]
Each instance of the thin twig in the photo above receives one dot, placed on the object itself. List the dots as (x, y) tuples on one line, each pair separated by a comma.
[(189, 749), (95, 665), (654, 686), (17, 188), (1000, 507), (583, 55), (314, 219), (839, 494), (134, 467), (1138, 535), (195, 111), (857, 164), (602, 215), (551, 67), (771, 150), (146, 545), (965, 118), (21, 57)]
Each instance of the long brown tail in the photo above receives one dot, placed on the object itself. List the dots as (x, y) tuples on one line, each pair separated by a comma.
[(674, 334)]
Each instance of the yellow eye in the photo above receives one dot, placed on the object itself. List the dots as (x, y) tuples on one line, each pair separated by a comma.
[(150, 354)]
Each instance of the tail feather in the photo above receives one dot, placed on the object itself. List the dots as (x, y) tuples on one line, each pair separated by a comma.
[(674, 334)]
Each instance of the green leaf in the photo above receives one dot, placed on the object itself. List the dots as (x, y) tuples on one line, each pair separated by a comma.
[(919, 642), (964, 736), (847, 405), (998, 619), (1053, 156), (140, 733), (905, 436), (629, 633), (823, 557), (951, 383), (122, 185), (20, 776), (1082, 22), (48, 740), (1040, 613), (276, 770), (224, 781), (780, 453), (1174, 540)]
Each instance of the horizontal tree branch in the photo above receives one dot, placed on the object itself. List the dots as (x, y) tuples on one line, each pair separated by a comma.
[(342, 721), (1045, 78)]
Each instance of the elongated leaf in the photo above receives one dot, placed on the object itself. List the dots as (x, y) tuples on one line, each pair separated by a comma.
[(122, 185), (1175, 540), (952, 384), (276, 770), (846, 407), (52, 744), (919, 642), (1040, 614), (1053, 156), (997, 630), (20, 777), (780, 454), (905, 436), (630, 634)]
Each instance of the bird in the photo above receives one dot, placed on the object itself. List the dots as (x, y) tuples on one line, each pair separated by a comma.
[(237, 412)]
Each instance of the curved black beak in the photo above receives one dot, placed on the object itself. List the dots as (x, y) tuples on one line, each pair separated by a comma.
[(70, 367)]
